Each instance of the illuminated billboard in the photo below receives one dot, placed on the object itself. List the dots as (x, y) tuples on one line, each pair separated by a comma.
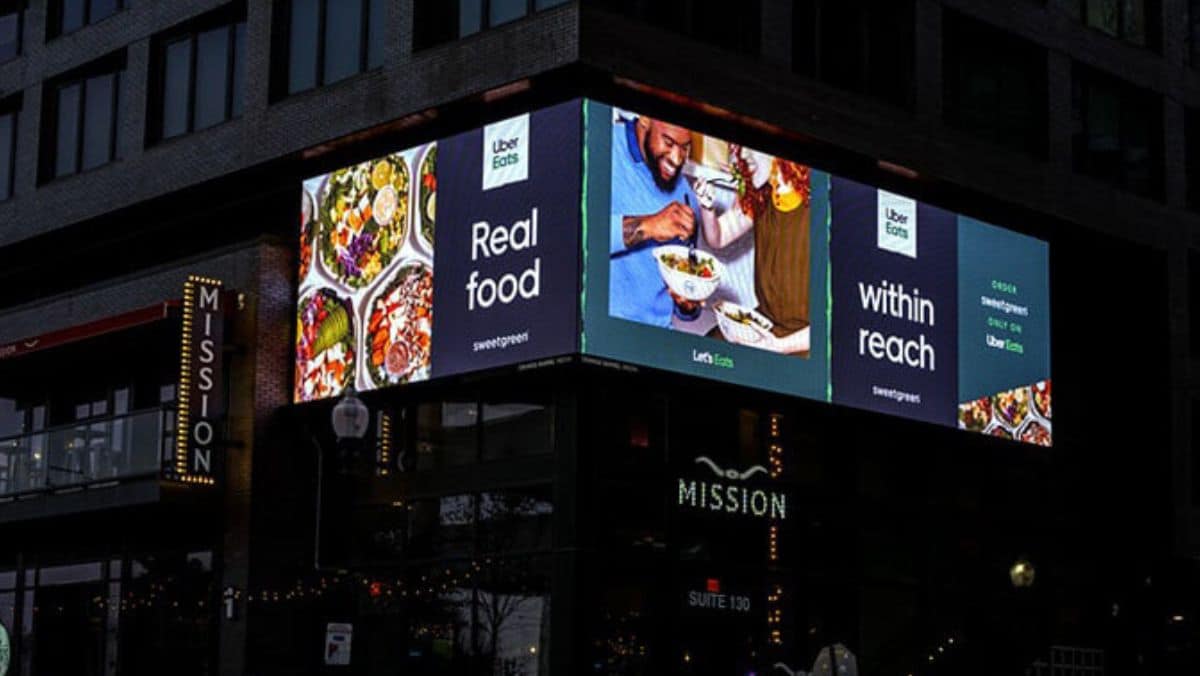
[(707, 257), (452, 256), (588, 229)]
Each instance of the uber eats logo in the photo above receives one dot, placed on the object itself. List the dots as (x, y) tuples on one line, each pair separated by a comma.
[(897, 224), (506, 152)]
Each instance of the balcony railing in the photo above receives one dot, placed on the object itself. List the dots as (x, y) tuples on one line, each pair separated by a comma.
[(88, 452)]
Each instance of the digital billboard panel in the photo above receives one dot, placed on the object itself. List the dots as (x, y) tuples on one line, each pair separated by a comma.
[(710, 258), (699, 255), (450, 256)]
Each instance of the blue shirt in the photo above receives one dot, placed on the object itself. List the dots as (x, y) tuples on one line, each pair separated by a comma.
[(636, 290)]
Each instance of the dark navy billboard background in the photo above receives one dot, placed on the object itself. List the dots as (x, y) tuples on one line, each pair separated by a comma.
[(895, 266), (506, 288)]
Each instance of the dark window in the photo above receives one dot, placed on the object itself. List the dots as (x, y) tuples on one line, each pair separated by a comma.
[(710, 21), (1195, 449), (328, 41), (8, 149), (1133, 21), (438, 21), (200, 76), (1117, 132), (1194, 31), (1194, 329), (81, 120), (11, 14), (995, 84), (99, 117), (1192, 168), (66, 144), (864, 46), (68, 16)]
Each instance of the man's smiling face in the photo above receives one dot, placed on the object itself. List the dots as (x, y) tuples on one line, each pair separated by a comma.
[(665, 148)]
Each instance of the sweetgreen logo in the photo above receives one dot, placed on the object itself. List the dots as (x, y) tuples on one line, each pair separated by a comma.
[(712, 359)]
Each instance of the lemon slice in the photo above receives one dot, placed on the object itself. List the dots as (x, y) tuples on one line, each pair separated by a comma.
[(381, 175), (430, 207)]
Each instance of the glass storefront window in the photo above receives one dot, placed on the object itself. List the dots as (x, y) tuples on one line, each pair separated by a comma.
[(167, 615), (447, 434), (515, 520), (488, 617), (517, 428), (441, 527), (70, 612)]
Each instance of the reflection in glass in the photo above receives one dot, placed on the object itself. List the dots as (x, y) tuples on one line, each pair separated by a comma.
[(8, 130), (376, 29), (171, 619), (470, 17), (96, 450), (102, 9), (1102, 15), (517, 428), (441, 527), (66, 146), (515, 521), (493, 615), (177, 84), (447, 434), (238, 95), (302, 53), (503, 11), (343, 36), (71, 574), (212, 76), (10, 35), (73, 15), (12, 418), (98, 120)]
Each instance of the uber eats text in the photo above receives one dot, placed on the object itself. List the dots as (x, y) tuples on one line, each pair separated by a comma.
[(493, 241), (892, 300)]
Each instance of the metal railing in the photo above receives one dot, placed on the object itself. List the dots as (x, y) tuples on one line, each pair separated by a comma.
[(86, 452)]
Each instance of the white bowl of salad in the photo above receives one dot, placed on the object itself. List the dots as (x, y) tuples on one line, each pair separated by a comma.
[(689, 273)]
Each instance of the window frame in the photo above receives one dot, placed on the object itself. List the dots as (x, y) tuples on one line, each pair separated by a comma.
[(1129, 97), (156, 119), (18, 7), (56, 13), (7, 192), (84, 82), (1151, 14), (961, 38), (281, 77), (113, 65), (485, 10), (1193, 33)]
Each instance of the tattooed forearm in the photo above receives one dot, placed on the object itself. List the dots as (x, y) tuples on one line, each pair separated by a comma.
[(631, 227)]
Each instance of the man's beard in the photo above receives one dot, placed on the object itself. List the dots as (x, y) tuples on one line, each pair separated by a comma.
[(664, 184)]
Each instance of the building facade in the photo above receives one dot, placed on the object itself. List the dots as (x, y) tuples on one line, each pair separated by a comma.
[(171, 499)]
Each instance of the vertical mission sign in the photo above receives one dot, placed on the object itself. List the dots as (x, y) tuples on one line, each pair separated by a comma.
[(201, 379)]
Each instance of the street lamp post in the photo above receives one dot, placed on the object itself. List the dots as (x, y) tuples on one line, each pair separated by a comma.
[(349, 418)]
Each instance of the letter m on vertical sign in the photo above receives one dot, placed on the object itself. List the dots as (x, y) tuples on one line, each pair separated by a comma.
[(201, 383)]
